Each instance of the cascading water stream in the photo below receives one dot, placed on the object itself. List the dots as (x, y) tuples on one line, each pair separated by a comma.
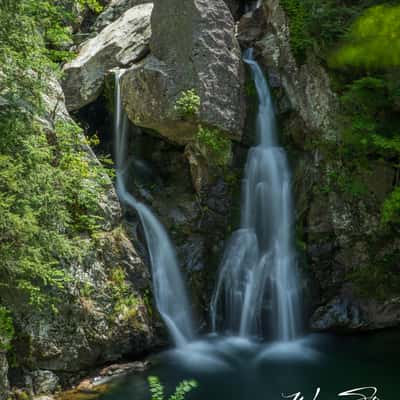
[(168, 286), (257, 287)]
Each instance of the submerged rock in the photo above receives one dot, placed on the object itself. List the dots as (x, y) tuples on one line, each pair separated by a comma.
[(120, 44)]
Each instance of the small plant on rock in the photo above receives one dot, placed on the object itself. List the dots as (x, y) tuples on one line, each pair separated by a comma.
[(217, 147), (188, 104)]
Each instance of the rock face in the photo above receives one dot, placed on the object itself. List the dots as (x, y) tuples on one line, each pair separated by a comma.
[(197, 225), (344, 314), (3, 376), (118, 45), (338, 231), (44, 382), (208, 61), (306, 87), (113, 11)]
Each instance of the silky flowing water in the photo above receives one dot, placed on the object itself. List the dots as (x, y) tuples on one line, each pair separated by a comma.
[(168, 287), (257, 291)]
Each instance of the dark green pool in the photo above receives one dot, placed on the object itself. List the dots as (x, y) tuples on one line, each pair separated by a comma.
[(237, 369)]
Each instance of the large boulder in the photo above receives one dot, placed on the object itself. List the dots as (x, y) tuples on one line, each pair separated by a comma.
[(344, 315), (193, 46), (120, 44), (113, 11)]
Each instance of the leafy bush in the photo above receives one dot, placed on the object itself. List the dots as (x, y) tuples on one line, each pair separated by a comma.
[(157, 389), (317, 25), (50, 188), (6, 329), (217, 147), (373, 40), (300, 39), (188, 104), (391, 208), (53, 20)]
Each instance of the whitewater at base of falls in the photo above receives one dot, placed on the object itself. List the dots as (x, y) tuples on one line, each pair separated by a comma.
[(168, 286), (257, 290)]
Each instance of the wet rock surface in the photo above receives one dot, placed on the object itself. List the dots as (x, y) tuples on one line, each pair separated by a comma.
[(196, 223)]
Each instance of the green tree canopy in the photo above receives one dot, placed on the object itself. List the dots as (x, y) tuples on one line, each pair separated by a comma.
[(373, 40)]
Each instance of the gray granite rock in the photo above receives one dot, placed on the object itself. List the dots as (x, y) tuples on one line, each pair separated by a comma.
[(193, 46), (120, 44), (113, 11)]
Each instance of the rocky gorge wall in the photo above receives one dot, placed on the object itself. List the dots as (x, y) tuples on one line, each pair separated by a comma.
[(339, 234)]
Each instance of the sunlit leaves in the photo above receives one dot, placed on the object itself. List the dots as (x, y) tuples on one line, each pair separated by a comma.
[(157, 389), (373, 40), (391, 208)]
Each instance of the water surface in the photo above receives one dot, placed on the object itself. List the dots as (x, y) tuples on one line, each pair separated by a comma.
[(238, 369)]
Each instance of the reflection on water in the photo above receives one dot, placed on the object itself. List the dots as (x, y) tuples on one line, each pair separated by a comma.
[(240, 369)]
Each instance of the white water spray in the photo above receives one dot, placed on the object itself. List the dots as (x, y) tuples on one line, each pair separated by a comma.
[(168, 286), (257, 288)]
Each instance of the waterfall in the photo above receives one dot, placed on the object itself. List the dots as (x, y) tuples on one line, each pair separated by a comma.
[(257, 287), (168, 286)]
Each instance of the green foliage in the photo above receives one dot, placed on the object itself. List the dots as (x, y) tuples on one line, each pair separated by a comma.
[(52, 20), (316, 25), (92, 5), (188, 104), (344, 181), (373, 40), (217, 147), (157, 389), (50, 188), (391, 208), (6, 329), (370, 115), (125, 301), (300, 39)]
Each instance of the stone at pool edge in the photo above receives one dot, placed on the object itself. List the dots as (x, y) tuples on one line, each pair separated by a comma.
[(92, 387)]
